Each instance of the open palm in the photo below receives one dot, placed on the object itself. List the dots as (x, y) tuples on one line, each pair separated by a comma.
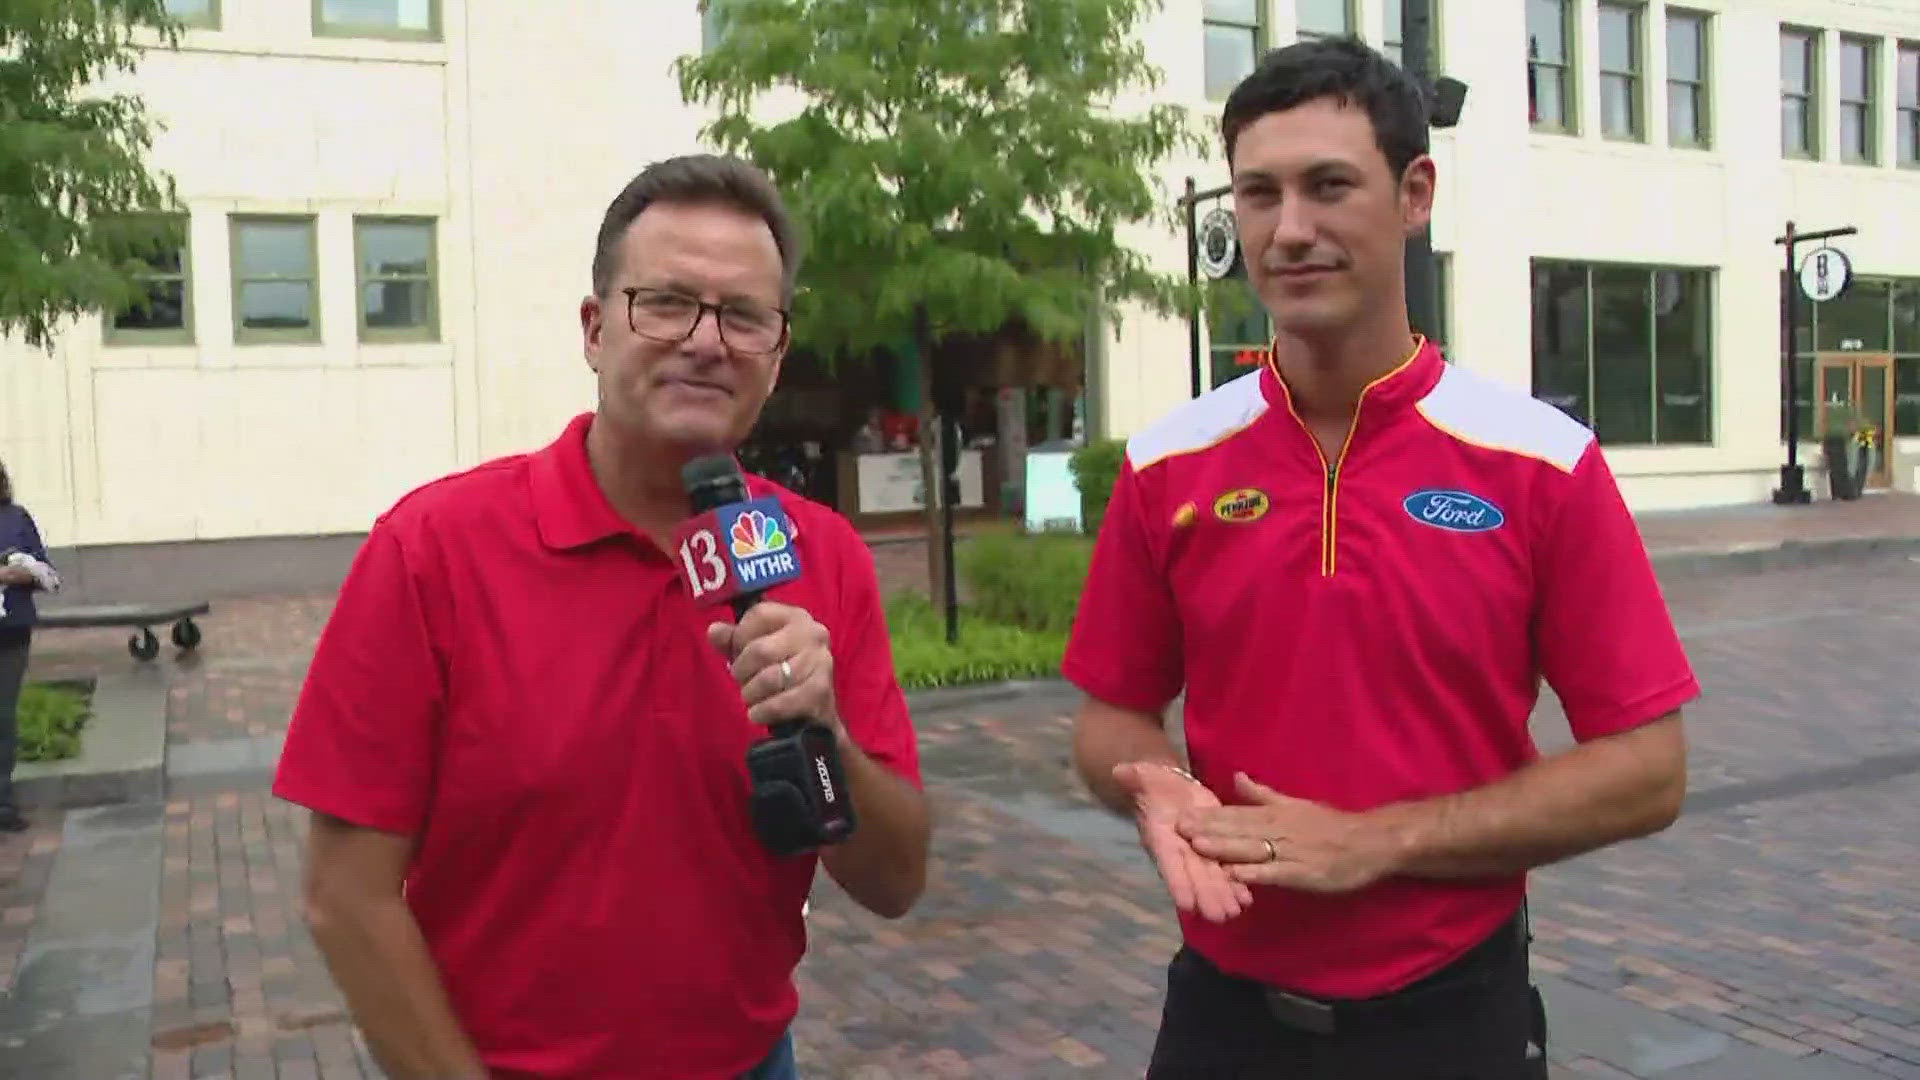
[(1197, 883)]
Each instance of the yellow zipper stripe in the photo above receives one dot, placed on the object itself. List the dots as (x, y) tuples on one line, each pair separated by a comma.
[(1330, 491)]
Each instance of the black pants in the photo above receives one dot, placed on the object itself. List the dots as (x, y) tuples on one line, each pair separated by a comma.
[(1219, 1027), (13, 673)]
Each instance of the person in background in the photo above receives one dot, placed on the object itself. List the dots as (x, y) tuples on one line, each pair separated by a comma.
[(25, 570), (523, 742), (1360, 563)]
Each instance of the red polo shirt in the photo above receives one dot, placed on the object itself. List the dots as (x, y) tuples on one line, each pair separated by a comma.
[(1371, 629), (519, 679)]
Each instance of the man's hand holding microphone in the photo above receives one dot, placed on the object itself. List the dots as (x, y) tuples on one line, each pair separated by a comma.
[(783, 660)]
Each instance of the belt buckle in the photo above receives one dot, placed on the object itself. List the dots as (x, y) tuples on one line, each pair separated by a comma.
[(1306, 1014)]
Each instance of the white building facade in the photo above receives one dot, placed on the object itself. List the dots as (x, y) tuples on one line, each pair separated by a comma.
[(392, 206)]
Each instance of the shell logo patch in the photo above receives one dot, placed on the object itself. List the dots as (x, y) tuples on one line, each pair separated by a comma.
[(1241, 505), (1184, 516)]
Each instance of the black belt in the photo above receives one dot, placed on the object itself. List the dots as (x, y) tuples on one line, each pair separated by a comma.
[(1454, 988)]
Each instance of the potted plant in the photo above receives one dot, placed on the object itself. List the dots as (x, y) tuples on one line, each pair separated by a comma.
[(1865, 439), (1841, 426)]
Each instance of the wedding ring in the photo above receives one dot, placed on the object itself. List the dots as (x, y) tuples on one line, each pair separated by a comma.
[(1271, 853), (786, 674)]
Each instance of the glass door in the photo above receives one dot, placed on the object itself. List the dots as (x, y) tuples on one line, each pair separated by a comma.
[(1874, 376), (1862, 385)]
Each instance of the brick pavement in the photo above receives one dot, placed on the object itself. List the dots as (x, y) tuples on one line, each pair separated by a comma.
[(25, 861), (1789, 923)]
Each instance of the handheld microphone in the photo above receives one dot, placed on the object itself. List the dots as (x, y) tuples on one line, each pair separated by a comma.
[(733, 550)]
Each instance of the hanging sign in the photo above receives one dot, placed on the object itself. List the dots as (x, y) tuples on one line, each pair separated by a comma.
[(1825, 274), (1218, 239)]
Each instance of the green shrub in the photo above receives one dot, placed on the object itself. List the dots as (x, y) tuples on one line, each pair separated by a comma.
[(1030, 581), (987, 651), (50, 720), (1095, 467)]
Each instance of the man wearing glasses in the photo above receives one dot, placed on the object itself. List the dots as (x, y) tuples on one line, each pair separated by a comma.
[(531, 852)]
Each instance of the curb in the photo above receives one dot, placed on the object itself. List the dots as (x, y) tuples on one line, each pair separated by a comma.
[(951, 698), (122, 749), (1786, 555)]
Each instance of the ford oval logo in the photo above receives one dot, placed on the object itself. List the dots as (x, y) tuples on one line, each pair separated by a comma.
[(1454, 511)]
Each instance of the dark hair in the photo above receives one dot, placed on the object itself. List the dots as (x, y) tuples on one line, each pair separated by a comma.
[(1343, 68), (6, 486), (696, 178)]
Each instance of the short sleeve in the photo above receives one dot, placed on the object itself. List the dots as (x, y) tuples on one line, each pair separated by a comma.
[(1125, 648), (1605, 639), (866, 688), (362, 740)]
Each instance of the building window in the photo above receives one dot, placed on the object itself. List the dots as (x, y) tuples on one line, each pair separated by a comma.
[(1234, 36), (1689, 121), (1324, 18), (1906, 357), (1909, 105), (396, 264), (1874, 316), (1238, 329), (1395, 15), (1621, 116), (1799, 100), (405, 20), (1626, 350), (1550, 66), (1859, 143), (163, 313), (199, 14), (275, 297)]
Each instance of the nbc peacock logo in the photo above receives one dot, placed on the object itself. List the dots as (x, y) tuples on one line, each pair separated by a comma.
[(754, 533)]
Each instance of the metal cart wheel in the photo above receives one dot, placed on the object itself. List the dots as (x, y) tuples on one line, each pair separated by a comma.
[(144, 645)]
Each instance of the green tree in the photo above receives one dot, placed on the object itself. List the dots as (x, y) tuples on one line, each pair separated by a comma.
[(955, 167), (78, 206)]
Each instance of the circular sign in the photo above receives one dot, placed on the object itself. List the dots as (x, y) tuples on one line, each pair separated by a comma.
[(1218, 239), (1825, 273)]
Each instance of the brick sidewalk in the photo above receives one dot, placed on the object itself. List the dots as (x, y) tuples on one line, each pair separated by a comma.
[(25, 861), (1787, 919)]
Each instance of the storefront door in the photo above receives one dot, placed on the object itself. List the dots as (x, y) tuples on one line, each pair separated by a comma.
[(1866, 383)]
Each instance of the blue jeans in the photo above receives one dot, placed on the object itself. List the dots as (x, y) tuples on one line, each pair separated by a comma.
[(779, 1064)]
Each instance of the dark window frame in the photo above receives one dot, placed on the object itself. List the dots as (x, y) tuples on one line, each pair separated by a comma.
[(1709, 278), (1259, 29), (1701, 88), (1906, 103), (426, 332), (1811, 145), (1905, 352), (1866, 108), (1566, 71), (1634, 76), (1349, 24), (138, 336), (245, 335)]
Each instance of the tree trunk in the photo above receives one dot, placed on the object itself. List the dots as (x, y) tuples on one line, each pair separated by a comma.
[(930, 478)]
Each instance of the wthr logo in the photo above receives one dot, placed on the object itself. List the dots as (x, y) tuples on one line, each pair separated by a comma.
[(747, 546), (754, 533)]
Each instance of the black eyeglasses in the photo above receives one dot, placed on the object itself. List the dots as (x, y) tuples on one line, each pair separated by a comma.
[(665, 315)]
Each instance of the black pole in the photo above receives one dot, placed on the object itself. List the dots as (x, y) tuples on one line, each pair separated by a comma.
[(949, 494), (1416, 56), (1193, 279), (1793, 477)]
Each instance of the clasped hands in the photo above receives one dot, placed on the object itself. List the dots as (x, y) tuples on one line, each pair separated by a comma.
[(782, 658), (1210, 855)]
